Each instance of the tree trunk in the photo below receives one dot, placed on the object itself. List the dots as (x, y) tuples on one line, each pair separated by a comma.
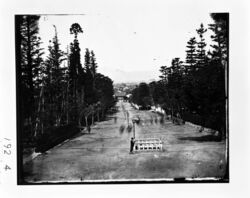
[(92, 118), (58, 120), (102, 113), (42, 120), (29, 72), (36, 127), (79, 122), (38, 112), (98, 115), (42, 128), (67, 104), (86, 120), (172, 112), (82, 95)]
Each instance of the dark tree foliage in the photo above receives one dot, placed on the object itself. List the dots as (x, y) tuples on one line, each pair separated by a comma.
[(165, 71), (90, 72), (94, 66), (201, 52), (196, 91), (105, 92), (76, 75), (75, 68), (52, 95), (220, 36), (220, 55), (191, 57), (158, 92), (30, 68), (141, 95), (75, 29), (174, 91), (175, 76), (90, 92)]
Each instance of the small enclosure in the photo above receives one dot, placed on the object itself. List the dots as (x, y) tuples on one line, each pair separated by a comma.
[(148, 144)]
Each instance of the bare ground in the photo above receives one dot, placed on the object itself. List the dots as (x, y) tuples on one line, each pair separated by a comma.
[(104, 154)]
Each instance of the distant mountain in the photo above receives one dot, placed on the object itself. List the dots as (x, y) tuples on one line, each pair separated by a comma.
[(121, 76)]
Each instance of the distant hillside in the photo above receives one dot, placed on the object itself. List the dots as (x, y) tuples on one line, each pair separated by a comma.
[(120, 76)]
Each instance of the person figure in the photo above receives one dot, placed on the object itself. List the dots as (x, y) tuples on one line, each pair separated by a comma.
[(88, 128), (132, 143), (178, 115)]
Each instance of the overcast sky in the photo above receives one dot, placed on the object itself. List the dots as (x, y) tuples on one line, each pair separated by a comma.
[(131, 42)]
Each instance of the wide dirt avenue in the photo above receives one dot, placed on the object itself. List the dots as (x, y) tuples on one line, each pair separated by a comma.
[(103, 155)]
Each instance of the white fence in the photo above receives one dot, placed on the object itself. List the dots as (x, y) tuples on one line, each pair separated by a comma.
[(149, 144), (158, 109)]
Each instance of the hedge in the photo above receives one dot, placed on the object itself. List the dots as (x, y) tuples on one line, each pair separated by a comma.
[(54, 136)]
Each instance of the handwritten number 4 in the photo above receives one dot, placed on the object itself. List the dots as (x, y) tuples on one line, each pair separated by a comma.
[(6, 167)]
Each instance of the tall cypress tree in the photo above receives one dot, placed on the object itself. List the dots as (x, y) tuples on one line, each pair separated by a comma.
[(89, 78), (93, 63), (54, 80), (76, 73), (87, 61), (93, 69)]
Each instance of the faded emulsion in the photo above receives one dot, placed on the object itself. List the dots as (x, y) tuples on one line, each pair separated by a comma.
[(78, 124)]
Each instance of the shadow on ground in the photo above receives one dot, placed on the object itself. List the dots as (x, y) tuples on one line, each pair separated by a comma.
[(205, 138)]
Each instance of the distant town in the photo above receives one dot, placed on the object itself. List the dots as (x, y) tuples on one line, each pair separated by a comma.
[(125, 89)]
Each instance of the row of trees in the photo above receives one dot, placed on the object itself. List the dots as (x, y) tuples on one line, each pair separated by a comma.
[(57, 90), (196, 88)]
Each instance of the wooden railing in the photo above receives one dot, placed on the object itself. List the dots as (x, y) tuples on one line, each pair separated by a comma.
[(148, 144)]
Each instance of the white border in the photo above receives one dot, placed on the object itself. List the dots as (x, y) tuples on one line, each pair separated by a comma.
[(239, 98)]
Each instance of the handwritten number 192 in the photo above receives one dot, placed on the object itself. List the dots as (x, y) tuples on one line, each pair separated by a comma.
[(7, 151)]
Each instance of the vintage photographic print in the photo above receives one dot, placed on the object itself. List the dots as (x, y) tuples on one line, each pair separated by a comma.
[(138, 97)]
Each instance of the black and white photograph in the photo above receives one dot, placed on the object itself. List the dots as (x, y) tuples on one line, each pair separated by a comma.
[(122, 93), (107, 99)]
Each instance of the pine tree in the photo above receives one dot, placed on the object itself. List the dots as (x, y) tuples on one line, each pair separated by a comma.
[(220, 36), (75, 57), (87, 63), (219, 63), (164, 74), (177, 66), (191, 53), (201, 52), (55, 80), (93, 69), (175, 84), (89, 78), (31, 66), (93, 66), (76, 74)]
